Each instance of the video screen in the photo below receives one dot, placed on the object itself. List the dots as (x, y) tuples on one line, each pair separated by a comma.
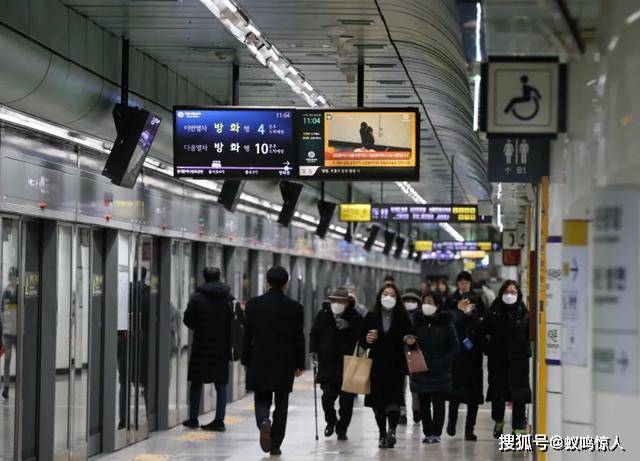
[(371, 144), (233, 143)]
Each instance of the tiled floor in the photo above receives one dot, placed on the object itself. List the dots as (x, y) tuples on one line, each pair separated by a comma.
[(240, 442)]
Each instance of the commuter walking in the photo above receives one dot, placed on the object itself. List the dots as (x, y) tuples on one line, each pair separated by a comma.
[(208, 315), (438, 341), (508, 351), (425, 287), (335, 333), (389, 280), (386, 328), (467, 370), (274, 354), (358, 306), (463, 297), (442, 289), (412, 303)]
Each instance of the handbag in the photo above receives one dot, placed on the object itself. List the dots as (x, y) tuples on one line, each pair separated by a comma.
[(356, 376), (415, 360)]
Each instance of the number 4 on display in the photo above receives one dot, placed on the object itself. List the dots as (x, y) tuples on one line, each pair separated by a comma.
[(261, 128)]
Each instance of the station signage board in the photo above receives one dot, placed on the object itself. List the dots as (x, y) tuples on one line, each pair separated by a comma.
[(354, 212), (438, 255), (359, 145), (423, 245), (518, 160), (233, 143), (285, 143), (466, 246), (437, 213)]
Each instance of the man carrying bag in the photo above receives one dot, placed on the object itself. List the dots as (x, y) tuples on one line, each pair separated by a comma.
[(335, 331)]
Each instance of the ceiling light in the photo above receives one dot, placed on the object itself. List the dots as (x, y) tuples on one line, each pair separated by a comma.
[(633, 17), (240, 25), (452, 232)]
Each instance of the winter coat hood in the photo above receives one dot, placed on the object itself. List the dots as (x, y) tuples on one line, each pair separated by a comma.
[(214, 290)]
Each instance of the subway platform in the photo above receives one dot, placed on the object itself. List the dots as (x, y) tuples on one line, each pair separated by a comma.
[(240, 441)]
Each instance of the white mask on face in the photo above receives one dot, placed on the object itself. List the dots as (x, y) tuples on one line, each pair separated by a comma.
[(388, 302), (509, 298), (429, 309), (337, 308), (411, 305)]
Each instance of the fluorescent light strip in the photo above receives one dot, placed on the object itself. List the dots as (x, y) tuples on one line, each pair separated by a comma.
[(451, 231), (476, 101), (478, 31), (237, 22)]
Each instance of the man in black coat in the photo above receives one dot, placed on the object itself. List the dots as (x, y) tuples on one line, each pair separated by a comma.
[(274, 353), (335, 334), (209, 315)]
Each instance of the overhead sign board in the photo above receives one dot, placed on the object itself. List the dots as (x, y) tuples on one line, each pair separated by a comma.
[(510, 239), (233, 143), (473, 254), (514, 160), (355, 212), (466, 246), (359, 145), (438, 255), (423, 245), (445, 213), (523, 96)]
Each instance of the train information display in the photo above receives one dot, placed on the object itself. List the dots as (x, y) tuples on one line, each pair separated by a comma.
[(449, 213), (466, 246), (358, 145), (233, 143)]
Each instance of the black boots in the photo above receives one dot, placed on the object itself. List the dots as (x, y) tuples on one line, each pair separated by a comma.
[(469, 435)]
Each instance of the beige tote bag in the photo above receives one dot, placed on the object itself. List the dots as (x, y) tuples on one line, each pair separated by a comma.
[(356, 378)]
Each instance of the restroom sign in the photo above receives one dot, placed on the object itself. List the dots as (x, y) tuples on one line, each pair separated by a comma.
[(523, 97), (516, 159)]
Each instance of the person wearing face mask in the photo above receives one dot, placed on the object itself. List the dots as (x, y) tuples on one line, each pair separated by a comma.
[(334, 334), (385, 330), (508, 350), (466, 371), (438, 341), (464, 298), (412, 301)]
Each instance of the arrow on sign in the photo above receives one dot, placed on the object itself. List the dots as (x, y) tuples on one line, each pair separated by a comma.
[(574, 269)]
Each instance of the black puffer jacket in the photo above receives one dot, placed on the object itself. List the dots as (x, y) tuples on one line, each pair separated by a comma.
[(452, 302), (332, 344), (438, 341), (508, 350), (209, 315), (467, 365)]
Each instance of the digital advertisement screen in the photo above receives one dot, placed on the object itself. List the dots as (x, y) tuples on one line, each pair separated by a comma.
[(365, 145), (233, 143)]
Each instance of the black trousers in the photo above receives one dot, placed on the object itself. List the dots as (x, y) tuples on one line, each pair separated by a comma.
[(263, 400), (519, 416), (387, 414), (432, 422), (331, 393), (472, 414)]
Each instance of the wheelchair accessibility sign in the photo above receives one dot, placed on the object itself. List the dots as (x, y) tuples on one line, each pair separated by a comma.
[(523, 97)]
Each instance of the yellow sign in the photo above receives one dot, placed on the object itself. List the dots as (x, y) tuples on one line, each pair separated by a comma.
[(355, 212), (469, 265), (473, 254), (485, 246), (423, 245)]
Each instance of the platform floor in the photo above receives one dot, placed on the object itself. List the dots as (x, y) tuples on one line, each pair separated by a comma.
[(240, 441)]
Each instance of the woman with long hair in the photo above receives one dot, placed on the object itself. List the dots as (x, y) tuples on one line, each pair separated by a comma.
[(508, 351), (386, 329)]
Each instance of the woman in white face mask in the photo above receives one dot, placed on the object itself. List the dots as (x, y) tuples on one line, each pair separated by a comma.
[(438, 341), (507, 326), (412, 302), (385, 329)]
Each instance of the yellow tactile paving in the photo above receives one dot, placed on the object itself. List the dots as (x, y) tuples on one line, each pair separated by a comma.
[(196, 436), (150, 457), (233, 420)]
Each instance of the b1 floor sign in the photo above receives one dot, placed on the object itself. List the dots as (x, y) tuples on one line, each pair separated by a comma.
[(518, 159), (523, 96)]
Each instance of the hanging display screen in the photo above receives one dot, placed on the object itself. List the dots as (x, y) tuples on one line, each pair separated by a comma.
[(446, 213), (359, 145), (233, 143)]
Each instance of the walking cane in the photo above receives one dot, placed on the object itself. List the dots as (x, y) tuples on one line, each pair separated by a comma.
[(315, 392)]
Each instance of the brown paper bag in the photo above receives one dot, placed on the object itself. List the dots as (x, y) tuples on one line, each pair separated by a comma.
[(356, 378)]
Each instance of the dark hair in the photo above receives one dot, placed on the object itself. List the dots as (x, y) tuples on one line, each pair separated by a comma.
[(143, 273), (464, 275), (211, 274), (277, 277), (389, 278), (506, 285), (377, 308), (436, 298)]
